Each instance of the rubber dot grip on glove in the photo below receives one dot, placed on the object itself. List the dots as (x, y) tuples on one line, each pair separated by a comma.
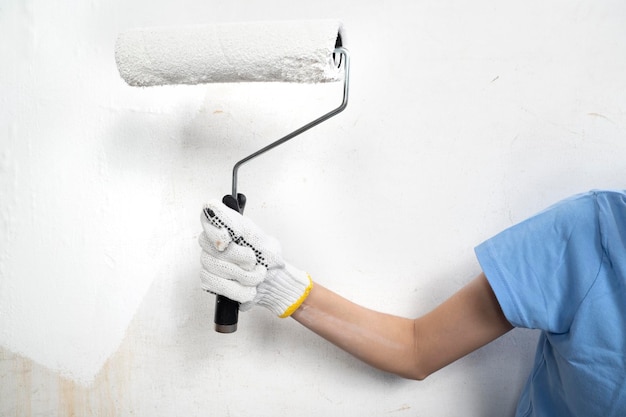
[(226, 314)]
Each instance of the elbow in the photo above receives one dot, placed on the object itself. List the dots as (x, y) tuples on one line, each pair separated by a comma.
[(417, 369), (412, 366), (405, 364), (415, 374), (419, 376)]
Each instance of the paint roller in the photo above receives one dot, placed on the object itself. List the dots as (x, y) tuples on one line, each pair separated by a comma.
[(287, 51)]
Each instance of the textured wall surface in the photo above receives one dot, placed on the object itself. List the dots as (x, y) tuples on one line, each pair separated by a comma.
[(464, 118)]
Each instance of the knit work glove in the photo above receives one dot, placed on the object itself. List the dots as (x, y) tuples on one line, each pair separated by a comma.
[(242, 263)]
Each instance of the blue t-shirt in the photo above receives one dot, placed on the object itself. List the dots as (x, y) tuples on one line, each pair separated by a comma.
[(564, 271)]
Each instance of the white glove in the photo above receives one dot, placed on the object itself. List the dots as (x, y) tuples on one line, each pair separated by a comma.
[(241, 262)]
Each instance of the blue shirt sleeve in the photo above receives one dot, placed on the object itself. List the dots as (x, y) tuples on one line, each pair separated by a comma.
[(542, 269)]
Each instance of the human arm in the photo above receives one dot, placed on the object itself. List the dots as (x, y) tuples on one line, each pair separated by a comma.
[(244, 264), (411, 348)]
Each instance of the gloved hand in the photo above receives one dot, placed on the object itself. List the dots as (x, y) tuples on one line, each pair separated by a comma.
[(241, 262)]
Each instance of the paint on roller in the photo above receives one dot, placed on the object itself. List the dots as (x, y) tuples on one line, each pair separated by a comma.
[(287, 51)]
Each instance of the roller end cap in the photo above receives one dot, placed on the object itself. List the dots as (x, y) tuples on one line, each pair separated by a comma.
[(226, 328)]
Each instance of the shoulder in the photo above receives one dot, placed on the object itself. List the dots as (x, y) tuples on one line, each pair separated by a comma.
[(541, 268)]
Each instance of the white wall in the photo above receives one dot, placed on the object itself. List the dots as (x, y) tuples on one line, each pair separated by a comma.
[(464, 118)]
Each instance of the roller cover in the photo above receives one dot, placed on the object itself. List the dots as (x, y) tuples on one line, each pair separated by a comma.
[(289, 51)]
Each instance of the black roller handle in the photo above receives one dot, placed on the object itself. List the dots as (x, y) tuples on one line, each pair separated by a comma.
[(227, 310)]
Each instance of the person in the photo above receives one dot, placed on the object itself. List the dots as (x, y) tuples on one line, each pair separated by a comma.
[(562, 271)]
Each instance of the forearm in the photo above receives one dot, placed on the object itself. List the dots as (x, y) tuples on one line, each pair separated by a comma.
[(414, 349), (381, 340)]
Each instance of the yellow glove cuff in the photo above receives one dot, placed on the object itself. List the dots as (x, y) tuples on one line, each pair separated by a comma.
[(292, 308)]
